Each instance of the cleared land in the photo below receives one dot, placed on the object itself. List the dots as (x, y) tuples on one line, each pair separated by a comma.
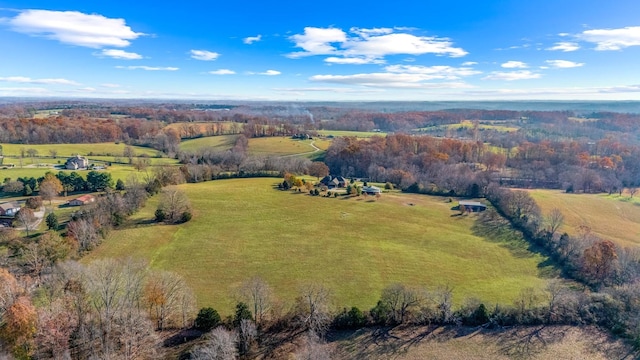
[(276, 145), (218, 143), (355, 246), (66, 150), (612, 217)]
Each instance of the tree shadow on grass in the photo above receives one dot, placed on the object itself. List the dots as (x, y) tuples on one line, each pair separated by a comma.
[(492, 227)]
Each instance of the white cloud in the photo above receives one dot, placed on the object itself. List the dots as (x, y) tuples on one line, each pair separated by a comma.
[(148, 68), (204, 55), (514, 65), (222, 72), (612, 39), (469, 63), (75, 28), (565, 46), (251, 39), (119, 54), (317, 41), (27, 80), (111, 86), (433, 72), (330, 89), (400, 43), (387, 80), (353, 60), (87, 89), (369, 44), (563, 64), (512, 75), (30, 90), (270, 73), (369, 32)]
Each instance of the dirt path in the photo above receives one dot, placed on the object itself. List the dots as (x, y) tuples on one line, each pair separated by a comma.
[(312, 144)]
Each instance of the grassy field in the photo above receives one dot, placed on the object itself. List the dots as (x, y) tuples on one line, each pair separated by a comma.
[(66, 150), (117, 172), (355, 246), (218, 143), (257, 146), (611, 217), (279, 146)]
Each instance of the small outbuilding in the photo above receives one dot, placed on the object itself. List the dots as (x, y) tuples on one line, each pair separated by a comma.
[(82, 200), (371, 190), (9, 208), (472, 206)]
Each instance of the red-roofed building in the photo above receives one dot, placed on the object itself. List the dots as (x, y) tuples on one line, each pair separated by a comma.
[(82, 200)]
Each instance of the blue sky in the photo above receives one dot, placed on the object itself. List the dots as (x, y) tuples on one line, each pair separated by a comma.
[(322, 50)]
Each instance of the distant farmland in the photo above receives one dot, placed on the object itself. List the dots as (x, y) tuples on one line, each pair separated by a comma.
[(355, 246), (609, 216)]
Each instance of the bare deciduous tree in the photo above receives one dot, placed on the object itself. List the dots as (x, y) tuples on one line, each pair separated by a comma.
[(174, 203), (220, 345), (400, 300), (312, 307), (257, 294), (555, 220), (26, 219)]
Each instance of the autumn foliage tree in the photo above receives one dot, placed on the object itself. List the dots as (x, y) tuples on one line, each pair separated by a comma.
[(598, 262), (19, 327), (50, 187)]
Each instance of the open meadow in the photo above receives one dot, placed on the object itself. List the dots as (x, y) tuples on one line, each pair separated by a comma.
[(66, 150), (612, 217), (354, 246)]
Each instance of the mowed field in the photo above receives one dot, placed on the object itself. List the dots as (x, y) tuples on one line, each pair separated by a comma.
[(66, 150), (610, 217), (354, 246), (276, 145)]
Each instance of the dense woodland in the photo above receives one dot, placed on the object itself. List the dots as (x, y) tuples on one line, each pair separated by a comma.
[(53, 307)]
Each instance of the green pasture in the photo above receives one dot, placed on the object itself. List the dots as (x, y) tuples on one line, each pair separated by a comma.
[(354, 246), (67, 150), (612, 217), (279, 146), (218, 143)]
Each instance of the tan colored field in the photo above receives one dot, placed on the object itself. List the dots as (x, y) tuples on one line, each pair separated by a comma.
[(611, 217), (550, 342)]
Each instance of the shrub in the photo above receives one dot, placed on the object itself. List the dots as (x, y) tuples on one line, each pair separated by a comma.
[(186, 216), (207, 319), (388, 186), (160, 215), (335, 194), (120, 185), (52, 221), (352, 319), (242, 313)]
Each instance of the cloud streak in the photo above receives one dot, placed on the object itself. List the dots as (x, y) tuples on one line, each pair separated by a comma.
[(512, 75), (252, 39), (27, 80), (514, 65), (564, 46), (204, 55), (119, 54), (222, 72), (149, 68), (74, 28), (563, 64)]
